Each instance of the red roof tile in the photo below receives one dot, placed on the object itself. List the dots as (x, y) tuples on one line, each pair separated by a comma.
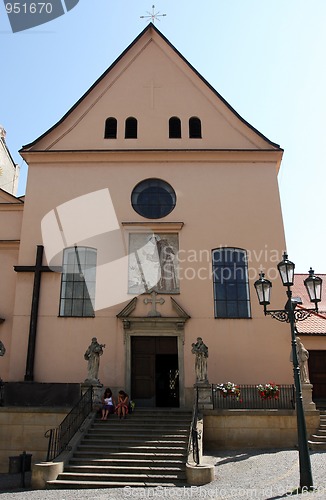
[(316, 323)]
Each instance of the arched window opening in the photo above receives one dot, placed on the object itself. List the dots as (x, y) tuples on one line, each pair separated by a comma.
[(174, 128), (131, 128), (110, 128), (194, 128)]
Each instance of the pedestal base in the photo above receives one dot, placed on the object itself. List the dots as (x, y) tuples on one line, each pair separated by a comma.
[(205, 398), (307, 401), (97, 393)]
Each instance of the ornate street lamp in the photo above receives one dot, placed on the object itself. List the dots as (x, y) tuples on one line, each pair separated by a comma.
[(313, 285)]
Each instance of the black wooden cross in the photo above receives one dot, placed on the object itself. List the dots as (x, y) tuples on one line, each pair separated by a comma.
[(38, 269)]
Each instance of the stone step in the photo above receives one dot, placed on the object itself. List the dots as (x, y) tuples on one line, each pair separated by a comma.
[(152, 412), (127, 469), (134, 455), (132, 448), (184, 423), (161, 411), (128, 462), (134, 434), (318, 437), (155, 415), (121, 476), (118, 426), (317, 445), (110, 442)]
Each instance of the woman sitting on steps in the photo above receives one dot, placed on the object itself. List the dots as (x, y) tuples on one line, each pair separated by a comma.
[(122, 406)]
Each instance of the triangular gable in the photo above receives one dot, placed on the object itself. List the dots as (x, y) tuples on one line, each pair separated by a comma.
[(151, 64)]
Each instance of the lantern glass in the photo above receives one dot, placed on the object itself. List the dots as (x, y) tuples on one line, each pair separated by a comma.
[(313, 285), (286, 270), (263, 289)]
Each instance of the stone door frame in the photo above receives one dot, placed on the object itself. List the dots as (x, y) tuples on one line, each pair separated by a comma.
[(155, 327)]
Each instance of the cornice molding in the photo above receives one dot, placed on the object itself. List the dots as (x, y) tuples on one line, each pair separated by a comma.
[(155, 226), (141, 156)]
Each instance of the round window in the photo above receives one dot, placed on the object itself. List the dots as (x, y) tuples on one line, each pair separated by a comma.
[(153, 198)]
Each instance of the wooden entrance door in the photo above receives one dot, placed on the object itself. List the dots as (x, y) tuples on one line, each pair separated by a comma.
[(154, 371), (317, 374)]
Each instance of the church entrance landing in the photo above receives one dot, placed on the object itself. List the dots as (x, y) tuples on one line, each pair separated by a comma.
[(154, 371)]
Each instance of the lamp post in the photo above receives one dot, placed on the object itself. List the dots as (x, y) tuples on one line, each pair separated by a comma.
[(290, 315)]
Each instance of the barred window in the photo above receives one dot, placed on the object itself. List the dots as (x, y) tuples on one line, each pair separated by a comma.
[(78, 282), (230, 281)]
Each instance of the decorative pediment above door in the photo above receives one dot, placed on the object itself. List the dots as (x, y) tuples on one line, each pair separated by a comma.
[(153, 321)]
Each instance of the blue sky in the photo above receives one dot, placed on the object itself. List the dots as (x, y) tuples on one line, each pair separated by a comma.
[(265, 57)]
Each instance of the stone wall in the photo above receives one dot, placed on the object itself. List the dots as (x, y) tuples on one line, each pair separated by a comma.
[(232, 429), (23, 429)]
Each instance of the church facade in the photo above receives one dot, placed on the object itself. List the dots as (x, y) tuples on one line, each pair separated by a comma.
[(150, 209)]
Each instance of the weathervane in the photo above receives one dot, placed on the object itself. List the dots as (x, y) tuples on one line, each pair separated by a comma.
[(153, 16)]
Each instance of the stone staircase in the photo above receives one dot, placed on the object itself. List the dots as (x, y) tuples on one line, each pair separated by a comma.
[(147, 449), (317, 441)]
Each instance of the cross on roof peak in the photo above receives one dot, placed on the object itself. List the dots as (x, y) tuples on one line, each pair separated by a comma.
[(153, 16)]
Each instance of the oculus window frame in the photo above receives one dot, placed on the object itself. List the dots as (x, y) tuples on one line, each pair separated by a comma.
[(153, 198)]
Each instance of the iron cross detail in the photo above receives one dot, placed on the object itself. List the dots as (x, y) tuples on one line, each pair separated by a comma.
[(153, 16), (153, 312), (38, 269)]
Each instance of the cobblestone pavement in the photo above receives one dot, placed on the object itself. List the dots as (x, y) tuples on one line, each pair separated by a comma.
[(242, 474)]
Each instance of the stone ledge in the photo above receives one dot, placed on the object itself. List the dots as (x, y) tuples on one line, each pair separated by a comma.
[(258, 412), (34, 409)]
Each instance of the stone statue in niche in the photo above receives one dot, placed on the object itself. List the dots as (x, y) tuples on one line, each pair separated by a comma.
[(201, 352), (92, 355)]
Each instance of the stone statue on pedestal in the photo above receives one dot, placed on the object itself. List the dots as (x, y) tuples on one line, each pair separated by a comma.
[(92, 355), (303, 356), (201, 352)]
